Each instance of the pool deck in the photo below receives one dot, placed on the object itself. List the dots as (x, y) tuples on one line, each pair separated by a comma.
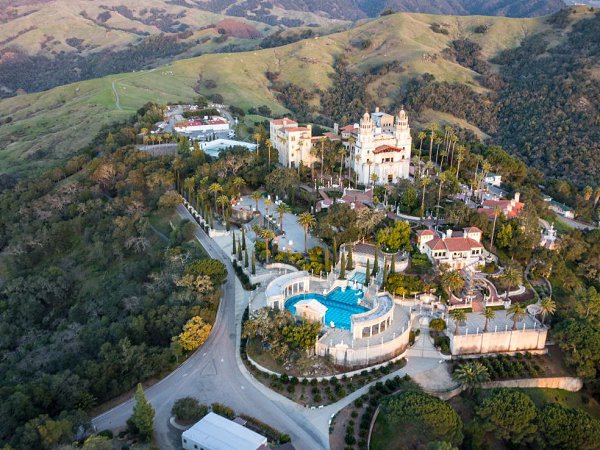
[(401, 321)]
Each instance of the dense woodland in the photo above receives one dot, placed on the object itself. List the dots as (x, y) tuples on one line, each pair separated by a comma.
[(92, 293)]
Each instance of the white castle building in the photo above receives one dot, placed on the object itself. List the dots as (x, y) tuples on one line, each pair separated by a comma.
[(382, 147)]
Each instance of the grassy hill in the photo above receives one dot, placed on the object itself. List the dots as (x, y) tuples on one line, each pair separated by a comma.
[(53, 124)]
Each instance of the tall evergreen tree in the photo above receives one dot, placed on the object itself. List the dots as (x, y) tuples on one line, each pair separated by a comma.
[(239, 252), (368, 273), (327, 262), (243, 238), (253, 264), (246, 258), (334, 251), (141, 421), (393, 264), (350, 263), (376, 263), (385, 275), (233, 243), (343, 267)]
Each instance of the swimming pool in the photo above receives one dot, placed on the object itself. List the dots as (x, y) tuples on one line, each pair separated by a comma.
[(340, 305), (359, 277)]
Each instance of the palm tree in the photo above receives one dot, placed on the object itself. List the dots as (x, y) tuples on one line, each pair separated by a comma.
[(438, 140), (444, 178), (238, 183), (357, 159), (369, 163), (517, 311), (471, 374), (215, 189), (459, 158), (281, 209), (496, 213), (432, 127), (257, 136), (421, 135), (453, 280), (267, 235), (458, 315), (424, 182), (322, 141), (307, 220), (547, 306), (223, 200), (512, 277), (268, 204), (256, 197), (374, 178), (269, 147), (489, 314), (342, 153)]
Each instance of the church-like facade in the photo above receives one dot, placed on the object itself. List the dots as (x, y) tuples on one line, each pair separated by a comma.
[(381, 150)]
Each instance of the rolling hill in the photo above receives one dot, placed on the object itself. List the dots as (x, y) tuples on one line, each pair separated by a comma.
[(49, 126)]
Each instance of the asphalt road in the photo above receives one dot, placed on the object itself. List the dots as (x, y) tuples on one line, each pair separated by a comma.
[(215, 373)]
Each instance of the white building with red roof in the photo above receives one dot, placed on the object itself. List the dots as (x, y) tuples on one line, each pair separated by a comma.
[(292, 142), (382, 147), (457, 249), (208, 124), (510, 208)]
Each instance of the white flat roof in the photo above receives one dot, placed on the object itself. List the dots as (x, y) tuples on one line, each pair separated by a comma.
[(219, 433)]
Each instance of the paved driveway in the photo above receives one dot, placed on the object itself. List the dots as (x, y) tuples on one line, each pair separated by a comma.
[(215, 373)]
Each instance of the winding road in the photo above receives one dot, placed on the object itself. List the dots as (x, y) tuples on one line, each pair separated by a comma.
[(215, 373)]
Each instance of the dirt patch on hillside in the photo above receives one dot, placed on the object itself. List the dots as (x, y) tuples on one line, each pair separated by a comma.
[(238, 29)]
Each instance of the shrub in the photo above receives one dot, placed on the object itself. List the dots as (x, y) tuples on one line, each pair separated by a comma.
[(317, 398), (350, 440), (188, 409), (222, 410)]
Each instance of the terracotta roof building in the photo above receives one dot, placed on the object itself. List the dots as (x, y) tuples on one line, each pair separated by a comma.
[(510, 208), (455, 248)]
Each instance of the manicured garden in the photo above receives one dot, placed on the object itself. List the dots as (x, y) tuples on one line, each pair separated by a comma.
[(504, 367)]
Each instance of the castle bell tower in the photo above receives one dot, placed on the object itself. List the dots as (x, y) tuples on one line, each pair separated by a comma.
[(365, 131)]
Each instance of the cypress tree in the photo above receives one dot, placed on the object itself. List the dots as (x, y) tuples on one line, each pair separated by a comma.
[(334, 251), (393, 266), (227, 224), (243, 238), (350, 262), (343, 267), (368, 275), (376, 263), (233, 242), (142, 420), (212, 224), (385, 275), (246, 258), (253, 265), (327, 263), (239, 252)]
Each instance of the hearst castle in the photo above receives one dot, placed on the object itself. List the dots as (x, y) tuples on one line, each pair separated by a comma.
[(379, 146)]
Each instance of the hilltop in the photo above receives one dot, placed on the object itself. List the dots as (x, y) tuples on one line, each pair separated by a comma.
[(49, 126)]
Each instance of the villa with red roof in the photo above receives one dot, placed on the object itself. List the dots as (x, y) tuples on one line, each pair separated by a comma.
[(212, 123), (510, 208), (457, 249)]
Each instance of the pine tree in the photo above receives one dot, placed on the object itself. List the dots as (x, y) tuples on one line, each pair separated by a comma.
[(233, 242), (376, 263), (246, 258), (368, 273), (253, 265), (385, 275), (243, 238), (393, 266), (141, 421), (327, 263), (343, 267), (350, 263)]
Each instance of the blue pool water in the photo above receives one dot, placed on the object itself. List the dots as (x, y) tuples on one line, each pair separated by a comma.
[(340, 305), (359, 277)]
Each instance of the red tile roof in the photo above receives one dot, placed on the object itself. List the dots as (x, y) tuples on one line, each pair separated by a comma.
[(348, 128), (332, 136), (386, 149), (284, 121), (425, 233), (505, 207), (454, 244), (292, 129)]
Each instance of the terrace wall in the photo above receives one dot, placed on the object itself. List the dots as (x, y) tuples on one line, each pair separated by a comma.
[(498, 342)]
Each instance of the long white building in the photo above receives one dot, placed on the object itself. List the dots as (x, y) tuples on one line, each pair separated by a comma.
[(382, 147)]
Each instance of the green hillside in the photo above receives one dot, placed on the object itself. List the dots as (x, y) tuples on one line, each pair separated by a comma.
[(51, 125)]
